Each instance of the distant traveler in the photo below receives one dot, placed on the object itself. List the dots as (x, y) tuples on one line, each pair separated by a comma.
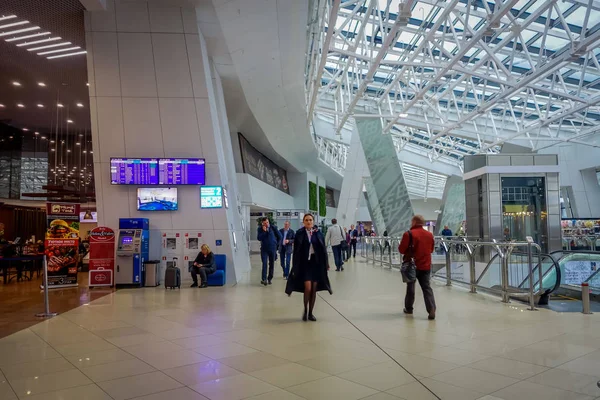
[(286, 247), (418, 244), (204, 265), (446, 231), (309, 266), (348, 248), (353, 239), (269, 238), (334, 237), (386, 243)]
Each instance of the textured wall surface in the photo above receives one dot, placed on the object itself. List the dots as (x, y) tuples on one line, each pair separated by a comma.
[(453, 205), (386, 175)]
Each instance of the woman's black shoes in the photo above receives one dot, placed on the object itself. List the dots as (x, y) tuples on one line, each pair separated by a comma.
[(305, 316), (311, 318)]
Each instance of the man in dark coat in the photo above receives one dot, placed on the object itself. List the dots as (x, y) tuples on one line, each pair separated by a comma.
[(286, 247), (269, 239)]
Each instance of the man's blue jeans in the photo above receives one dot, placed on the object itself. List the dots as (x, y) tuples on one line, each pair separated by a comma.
[(286, 258), (337, 256), (267, 255)]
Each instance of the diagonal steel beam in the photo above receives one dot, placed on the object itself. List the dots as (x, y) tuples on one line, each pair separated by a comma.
[(495, 18)]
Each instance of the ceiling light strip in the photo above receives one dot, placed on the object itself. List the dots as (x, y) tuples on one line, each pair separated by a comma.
[(49, 46), (33, 28), (43, 53), (14, 24), (67, 55), (5, 17), (26, 37), (52, 39)]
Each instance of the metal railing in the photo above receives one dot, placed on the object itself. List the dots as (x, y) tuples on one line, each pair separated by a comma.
[(581, 242), (478, 273)]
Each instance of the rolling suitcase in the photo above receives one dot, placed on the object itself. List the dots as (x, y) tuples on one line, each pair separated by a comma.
[(173, 277)]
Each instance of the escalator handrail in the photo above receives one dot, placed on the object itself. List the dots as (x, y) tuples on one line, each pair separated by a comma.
[(556, 266)]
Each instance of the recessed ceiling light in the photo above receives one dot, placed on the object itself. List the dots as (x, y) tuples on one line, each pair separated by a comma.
[(87, 84), (49, 46), (69, 121), (37, 133), (91, 152), (33, 28), (46, 40), (5, 17), (40, 105), (20, 105), (10, 137), (52, 149), (14, 39), (43, 137), (2, 106), (14, 24), (52, 141), (79, 105), (15, 83), (42, 84), (25, 129), (67, 55), (84, 151), (68, 151), (59, 105), (43, 53)]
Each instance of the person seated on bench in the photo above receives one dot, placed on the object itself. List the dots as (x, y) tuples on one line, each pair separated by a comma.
[(204, 264)]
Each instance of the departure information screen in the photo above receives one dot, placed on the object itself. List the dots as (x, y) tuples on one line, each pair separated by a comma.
[(157, 171), (181, 171), (134, 171)]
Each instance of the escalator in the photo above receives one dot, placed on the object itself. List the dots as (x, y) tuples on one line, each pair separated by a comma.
[(544, 265)]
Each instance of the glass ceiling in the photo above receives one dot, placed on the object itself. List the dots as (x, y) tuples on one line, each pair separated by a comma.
[(458, 77)]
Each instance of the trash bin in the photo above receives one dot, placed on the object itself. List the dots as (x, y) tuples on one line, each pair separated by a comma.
[(152, 278)]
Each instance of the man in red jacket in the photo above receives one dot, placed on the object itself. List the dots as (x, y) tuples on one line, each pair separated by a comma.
[(423, 245)]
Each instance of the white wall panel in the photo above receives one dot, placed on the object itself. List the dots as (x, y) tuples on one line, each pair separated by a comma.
[(166, 19), (132, 17), (110, 128), (136, 63), (173, 78), (106, 64), (115, 199), (143, 134), (196, 66), (104, 21), (213, 177), (205, 125), (190, 24), (180, 128)]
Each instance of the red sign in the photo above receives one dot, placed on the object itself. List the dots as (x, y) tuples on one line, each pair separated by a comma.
[(102, 234), (62, 243), (102, 257)]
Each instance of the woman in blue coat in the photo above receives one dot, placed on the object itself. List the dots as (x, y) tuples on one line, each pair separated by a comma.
[(309, 267)]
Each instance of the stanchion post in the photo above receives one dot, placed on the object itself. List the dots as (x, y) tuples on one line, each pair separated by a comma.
[(46, 313), (530, 265), (585, 297), (448, 264)]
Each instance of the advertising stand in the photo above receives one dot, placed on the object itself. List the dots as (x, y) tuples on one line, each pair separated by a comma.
[(62, 244), (102, 257)]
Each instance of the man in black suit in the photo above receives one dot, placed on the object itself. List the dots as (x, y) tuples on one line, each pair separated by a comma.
[(353, 239), (286, 247)]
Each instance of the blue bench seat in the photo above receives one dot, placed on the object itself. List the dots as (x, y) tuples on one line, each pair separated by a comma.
[(218, 278)]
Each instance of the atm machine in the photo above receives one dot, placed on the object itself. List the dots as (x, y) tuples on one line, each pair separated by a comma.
[(133, 246)]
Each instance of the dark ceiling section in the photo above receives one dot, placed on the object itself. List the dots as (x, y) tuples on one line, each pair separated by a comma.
[(65, 78)]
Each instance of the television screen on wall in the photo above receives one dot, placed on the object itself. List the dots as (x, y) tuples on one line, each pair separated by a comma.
[(157, 199)]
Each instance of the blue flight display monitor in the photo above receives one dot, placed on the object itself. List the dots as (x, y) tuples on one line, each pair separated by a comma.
[(157, 171), (133, 247), (181, 171)]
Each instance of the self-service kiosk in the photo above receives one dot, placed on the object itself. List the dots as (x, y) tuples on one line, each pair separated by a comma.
[(133, 246)]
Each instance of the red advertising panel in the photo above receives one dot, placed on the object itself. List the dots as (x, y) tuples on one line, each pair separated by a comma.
[(102, 257), (62, 243)]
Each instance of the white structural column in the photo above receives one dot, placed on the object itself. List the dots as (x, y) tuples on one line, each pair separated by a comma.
[(153, 93), (352, 185)]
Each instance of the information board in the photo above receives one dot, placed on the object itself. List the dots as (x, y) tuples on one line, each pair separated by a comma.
[(157, 171), (577, 272), (134, 171), (211, 197), (181, 171)]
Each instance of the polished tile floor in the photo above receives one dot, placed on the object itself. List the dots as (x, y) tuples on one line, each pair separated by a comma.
[(247, 342)]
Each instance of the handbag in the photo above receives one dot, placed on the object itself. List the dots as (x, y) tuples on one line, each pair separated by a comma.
[(343, 243), (409, 268)]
